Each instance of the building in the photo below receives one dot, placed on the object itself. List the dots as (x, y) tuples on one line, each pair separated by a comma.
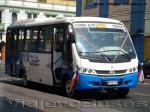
[(13, 10), (123, 10)]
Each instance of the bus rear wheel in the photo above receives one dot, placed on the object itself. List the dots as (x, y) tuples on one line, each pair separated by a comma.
[(122, 92), (26, 83)]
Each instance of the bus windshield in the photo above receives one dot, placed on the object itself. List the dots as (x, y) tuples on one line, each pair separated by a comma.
[(106, 41)]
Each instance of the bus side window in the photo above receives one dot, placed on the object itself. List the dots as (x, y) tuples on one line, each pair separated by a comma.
[(15, 39), (59, 36), (20, 40), (33, 40), (45, 39), (27, 40)]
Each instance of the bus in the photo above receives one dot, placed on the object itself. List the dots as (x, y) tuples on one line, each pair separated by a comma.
[(75, 53)]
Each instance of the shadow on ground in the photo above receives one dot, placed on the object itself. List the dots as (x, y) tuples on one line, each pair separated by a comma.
[(84, 95)]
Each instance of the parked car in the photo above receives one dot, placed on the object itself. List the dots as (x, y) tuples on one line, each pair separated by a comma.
[(146, 67)]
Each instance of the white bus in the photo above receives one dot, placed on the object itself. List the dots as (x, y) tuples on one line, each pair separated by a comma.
[(75, 53)]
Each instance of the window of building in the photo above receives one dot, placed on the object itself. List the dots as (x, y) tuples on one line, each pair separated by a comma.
[(147, 27), (90, 4), (34, 15), (29, 15), (53, 15), (14, 17), (120, 2), (42, 1), (48, 16), (0, 16)]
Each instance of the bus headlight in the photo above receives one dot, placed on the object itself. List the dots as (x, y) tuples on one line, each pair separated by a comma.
[(134, 69), (130, 70), (87, 71)]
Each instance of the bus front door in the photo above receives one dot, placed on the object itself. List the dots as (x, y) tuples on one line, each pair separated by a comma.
[(57, 53)]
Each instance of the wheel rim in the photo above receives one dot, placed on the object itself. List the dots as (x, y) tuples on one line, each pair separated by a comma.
[(69, 89)]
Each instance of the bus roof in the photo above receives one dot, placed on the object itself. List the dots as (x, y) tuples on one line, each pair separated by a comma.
[(48, 21)]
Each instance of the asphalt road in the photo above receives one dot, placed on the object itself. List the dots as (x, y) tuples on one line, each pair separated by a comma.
[(14, 97)]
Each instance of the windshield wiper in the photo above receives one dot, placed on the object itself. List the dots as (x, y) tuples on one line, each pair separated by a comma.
[(126, 54), (102, 54)]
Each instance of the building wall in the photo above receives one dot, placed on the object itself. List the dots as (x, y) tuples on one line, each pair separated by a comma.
[(147, 14), (120, 12), (147, 47), (63, 2), (89, 11)]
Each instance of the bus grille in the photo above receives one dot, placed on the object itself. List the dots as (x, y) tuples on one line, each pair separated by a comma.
[(109, 72)]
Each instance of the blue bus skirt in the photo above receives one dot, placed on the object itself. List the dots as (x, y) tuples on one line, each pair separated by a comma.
[(89, 81)]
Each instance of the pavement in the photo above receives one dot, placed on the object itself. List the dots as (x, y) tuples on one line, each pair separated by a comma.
[(2, 70)]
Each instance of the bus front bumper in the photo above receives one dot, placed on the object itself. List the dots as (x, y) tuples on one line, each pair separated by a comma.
[(87, 81)]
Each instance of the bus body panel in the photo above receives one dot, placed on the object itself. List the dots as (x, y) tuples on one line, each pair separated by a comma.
[(85, 63), (90, 81), (38, 66)]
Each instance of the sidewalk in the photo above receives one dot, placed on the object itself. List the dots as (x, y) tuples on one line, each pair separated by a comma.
[(3, 75), (2, 70)]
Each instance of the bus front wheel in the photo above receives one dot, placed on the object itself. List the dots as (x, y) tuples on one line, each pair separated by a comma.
[(122, 92), (69, 91)]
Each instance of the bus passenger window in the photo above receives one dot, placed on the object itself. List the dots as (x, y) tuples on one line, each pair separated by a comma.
[(15, 38), (20, 40), (59, 42), (33, 40), (44, 39), (27, 40)]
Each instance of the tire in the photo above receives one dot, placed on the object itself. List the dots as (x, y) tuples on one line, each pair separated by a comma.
[(122, 92), (26, 83), (69, 91), (21, 73)]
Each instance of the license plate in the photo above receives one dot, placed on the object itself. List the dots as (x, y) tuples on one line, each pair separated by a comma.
[(112, 83)]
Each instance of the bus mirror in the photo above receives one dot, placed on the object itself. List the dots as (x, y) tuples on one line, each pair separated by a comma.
[(70, 29)]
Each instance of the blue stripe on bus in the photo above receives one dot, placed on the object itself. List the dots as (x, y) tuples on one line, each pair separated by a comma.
[(87, 81)]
